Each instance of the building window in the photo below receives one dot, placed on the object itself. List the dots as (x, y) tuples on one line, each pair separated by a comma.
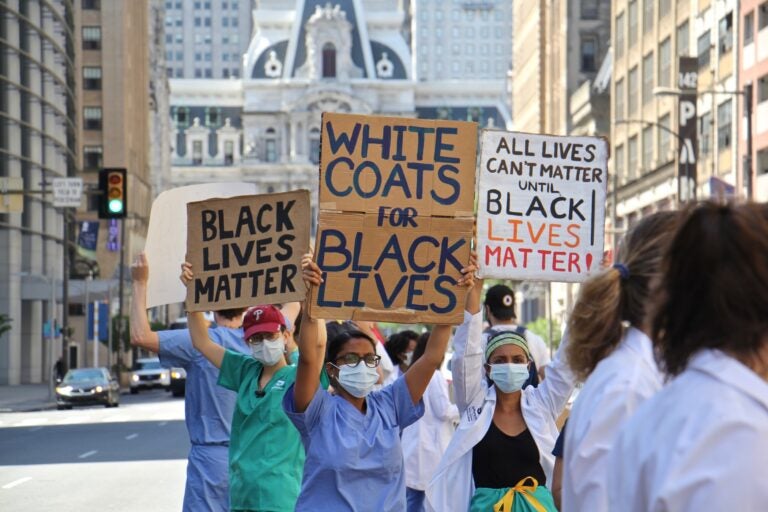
[(664, 138), (705, 133), (664, 7), (91, 38), (725, 34), (762, 162), (762, 89), (236, 73), (647, 78), (198, 73), (270, 146), (225, 22), (647, 15), (589, 9), (618, 165), (329, 60), (92, 158), (179, 72), (234, 22), (633, 22), (182, 117), (620, 35), (620, 112), (92, 78), (632, 167), (632, 94), (762, 20), (683, 40), (749, 28), (724, 125), (665, 63), (704, 50), (648, 149), (92, 118), (314, 145), (588, 53), (213, 117), (94, 5), (197, 152), (225, 73), (229, 152), (208, 73)]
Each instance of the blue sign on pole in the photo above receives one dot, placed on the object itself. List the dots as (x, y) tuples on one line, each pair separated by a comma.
[(103, 322)]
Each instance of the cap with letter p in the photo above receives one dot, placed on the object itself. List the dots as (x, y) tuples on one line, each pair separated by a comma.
[(265, 318)]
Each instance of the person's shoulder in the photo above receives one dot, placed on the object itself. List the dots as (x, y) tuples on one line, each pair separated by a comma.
[(229, 338)]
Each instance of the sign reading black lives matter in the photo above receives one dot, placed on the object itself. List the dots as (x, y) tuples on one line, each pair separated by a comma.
[(247, 250), (541, 211)]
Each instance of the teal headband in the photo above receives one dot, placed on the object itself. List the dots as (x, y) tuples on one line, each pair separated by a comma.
[(506, 338)]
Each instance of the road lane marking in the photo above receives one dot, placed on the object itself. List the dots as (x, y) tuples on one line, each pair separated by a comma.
[(162, 424), (87, 454), (132, 436), (34, 429), (17, 482)]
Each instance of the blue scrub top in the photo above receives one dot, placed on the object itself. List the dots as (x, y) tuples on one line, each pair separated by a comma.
[(208, 407), (354, 460)]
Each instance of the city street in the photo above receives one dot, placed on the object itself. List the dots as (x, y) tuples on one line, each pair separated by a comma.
[(94, 458)]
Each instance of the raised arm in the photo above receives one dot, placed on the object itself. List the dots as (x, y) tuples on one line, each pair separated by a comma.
[(417, 377), (467, 362), (141, 333), (312, 339), (198, 327)]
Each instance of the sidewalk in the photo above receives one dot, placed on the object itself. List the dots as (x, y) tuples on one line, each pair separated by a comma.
[(25, 398)]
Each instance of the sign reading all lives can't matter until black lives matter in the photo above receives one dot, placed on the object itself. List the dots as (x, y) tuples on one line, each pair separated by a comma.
[(541, 206)]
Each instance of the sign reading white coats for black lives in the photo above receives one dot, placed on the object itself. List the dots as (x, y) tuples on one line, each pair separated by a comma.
[(541, 209), (246, 250)]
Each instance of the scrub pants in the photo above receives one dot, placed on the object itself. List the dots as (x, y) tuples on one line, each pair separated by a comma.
[(207, 479), (414, 499)]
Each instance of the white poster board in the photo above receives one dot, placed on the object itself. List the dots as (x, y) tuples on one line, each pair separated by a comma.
[(166, 244), (541, 206)]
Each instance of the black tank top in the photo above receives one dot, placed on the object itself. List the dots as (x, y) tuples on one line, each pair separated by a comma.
[(500, 461)]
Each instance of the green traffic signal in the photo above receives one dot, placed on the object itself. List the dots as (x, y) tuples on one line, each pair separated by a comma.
[(115, 205)]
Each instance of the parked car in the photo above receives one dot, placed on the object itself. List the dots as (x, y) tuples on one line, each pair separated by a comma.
[(178, 381), (88, 386), (148, 373)]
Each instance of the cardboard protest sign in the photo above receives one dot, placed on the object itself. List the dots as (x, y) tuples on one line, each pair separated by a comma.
[(247, 250), (541, 206), (167, 236), (396, 218)]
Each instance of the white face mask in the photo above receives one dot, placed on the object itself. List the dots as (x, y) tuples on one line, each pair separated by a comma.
[(358, 380), (510, 377), (407, 358), (269, 352)]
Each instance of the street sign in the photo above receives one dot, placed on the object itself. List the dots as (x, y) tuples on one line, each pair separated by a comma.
[(67, 192), (11, 195)]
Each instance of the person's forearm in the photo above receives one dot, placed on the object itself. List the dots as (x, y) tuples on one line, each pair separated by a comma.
[(141, 332)]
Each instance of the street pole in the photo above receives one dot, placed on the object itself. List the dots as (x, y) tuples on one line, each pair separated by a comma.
[(52, 341), (748, 158), (120, 325), (87, 317), (65, 294)]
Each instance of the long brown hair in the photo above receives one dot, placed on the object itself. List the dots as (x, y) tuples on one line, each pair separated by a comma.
[(609, 298), (713, 292)]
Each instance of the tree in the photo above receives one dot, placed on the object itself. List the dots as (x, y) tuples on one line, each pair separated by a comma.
[(540, 326), (5, 323)]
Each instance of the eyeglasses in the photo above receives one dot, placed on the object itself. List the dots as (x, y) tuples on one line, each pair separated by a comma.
[(351, 359), (260, 337)]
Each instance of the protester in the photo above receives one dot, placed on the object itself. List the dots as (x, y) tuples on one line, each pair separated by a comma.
[(502, 450), (400, 347), (557, 472), (208, 408), (266, 456), (425, 441), (352, 438), (500, 313), (701, 443), (609, 344)]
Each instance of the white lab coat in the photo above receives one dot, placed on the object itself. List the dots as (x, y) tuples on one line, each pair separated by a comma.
[(700, 444), (452, 486), (615, 389), (425, 441)]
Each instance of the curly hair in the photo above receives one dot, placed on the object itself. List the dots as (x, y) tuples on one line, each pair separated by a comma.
[(607, 300), (713, 292)]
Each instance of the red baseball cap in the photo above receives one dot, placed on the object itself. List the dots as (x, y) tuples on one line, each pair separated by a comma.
[(265, 318)]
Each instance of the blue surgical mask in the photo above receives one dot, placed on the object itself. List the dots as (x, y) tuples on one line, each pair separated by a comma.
[(358, 380), (509, 377)]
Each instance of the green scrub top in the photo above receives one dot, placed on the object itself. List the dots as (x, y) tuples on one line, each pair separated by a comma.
[(266, 457)]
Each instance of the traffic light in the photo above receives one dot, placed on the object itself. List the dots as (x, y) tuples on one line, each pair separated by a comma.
[(113, 189)]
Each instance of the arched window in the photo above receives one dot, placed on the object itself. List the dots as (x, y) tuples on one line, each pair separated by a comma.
[(329, 60), (270, 152), (314, 145)]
